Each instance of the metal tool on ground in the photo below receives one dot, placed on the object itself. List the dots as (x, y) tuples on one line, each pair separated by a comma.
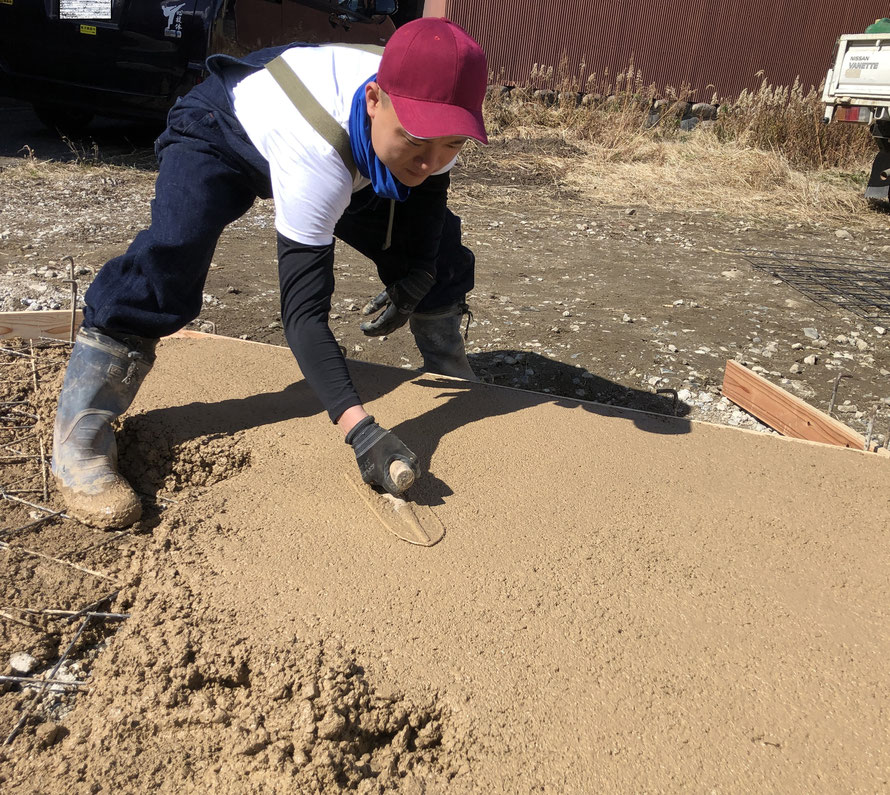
[(408, 521)]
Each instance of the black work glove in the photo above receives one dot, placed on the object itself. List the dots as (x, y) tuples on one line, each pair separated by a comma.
[(397, 301), (375, 450)]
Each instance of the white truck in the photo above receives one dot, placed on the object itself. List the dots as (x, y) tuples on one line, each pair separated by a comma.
[(857, 90)]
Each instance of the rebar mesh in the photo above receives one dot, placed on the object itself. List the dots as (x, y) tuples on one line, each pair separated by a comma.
[(857, 285), (77, 591)]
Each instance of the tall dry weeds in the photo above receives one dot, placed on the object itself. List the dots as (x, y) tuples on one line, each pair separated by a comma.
[(614, 112)]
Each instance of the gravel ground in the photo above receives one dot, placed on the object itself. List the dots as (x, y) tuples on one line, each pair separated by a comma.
[(573, 297)]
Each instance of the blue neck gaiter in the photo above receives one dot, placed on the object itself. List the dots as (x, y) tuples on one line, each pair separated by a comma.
[(367, 162)]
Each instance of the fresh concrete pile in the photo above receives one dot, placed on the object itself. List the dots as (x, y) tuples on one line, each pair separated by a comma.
[(621, 601)]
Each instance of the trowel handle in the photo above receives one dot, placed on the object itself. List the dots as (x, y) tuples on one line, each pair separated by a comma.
[(401, 474)]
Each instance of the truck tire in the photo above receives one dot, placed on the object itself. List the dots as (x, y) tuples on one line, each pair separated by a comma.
[(70, 122)]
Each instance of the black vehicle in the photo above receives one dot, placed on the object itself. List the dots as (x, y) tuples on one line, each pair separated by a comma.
[(73, 59)]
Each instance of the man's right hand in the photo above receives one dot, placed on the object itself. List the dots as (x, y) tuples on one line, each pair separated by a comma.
[(375, 450), (397, 301)]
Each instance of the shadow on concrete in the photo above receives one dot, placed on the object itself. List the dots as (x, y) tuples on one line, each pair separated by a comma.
[(460, 403), (463, 403), (179, 424)]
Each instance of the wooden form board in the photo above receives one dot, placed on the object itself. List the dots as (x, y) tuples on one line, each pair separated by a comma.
[(784, 412), (56, 324), (30, 325), (781, 410)]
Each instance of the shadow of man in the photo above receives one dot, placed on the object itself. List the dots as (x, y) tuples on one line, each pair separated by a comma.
[(460, 403), (463, 403)]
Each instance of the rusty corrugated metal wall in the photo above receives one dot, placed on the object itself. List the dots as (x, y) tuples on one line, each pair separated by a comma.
[(716, 46)]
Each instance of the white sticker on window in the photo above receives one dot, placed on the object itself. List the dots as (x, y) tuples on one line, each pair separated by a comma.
[(84, 9)]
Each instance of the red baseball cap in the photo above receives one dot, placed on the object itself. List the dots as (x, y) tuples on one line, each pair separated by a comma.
[(435, 74)]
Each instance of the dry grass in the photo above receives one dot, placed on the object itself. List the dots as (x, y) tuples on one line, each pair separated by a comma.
[(766, 153)]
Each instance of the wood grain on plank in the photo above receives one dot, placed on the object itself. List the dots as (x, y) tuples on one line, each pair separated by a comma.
[(54, 323), (784, 412)]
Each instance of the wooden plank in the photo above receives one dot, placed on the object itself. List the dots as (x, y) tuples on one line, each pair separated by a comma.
[(54, 323), (784, 412)]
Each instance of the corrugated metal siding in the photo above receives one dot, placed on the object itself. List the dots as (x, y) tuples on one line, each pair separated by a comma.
[(711, 46)]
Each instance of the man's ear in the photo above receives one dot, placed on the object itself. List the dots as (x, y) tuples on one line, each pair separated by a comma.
[(372, 98)]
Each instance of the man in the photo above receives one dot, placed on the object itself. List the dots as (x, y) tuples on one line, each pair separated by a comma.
[(239, 135)]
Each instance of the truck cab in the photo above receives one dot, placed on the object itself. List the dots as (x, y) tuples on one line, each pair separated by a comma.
[(857, 91), (132, 58)]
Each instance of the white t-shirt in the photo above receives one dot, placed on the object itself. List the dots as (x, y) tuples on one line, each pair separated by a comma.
[(311, 185)]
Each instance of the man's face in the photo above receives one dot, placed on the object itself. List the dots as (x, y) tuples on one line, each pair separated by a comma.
[(411, 160)]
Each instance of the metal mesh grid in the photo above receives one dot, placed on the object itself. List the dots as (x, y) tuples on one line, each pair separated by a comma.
[(856, 285), (24, 451)]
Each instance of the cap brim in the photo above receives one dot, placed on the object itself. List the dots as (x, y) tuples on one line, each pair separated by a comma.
[(425, 119)]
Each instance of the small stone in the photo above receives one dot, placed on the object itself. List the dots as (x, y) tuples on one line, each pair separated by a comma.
[(331, 725), (627, 318), (630, 211), (841, 339), (811, 359), (253, 745), (309, 690), (352, 307), (861, 345), (22, 663), (811, 333), (795, 368), (880, 331), (232, 290), (843, 234), (797, 346), (48, 734)]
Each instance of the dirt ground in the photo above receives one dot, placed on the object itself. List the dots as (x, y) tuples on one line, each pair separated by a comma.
[(621, 601), (592, 620), (574, 295)]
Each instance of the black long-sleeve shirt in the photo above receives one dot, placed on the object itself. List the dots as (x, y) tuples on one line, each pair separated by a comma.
[(306, 276)]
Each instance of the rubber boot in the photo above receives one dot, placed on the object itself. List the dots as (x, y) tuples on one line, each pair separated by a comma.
[(439, 341), (102, 378)]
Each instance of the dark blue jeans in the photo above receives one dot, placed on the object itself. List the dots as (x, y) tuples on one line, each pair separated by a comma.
[(209, 175)]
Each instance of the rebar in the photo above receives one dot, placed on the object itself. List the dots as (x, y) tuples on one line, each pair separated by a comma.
[(17, 353), (673, 393), (112, 540), (90, 608), (43, 690), (871, 428), (37, 680), (12, 530), (23, 414), (33, 365), (34, 553), (47, 611), (73, 282), (855, 284), (35, 505), (837, 382), (21, 621), (43, 471)]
